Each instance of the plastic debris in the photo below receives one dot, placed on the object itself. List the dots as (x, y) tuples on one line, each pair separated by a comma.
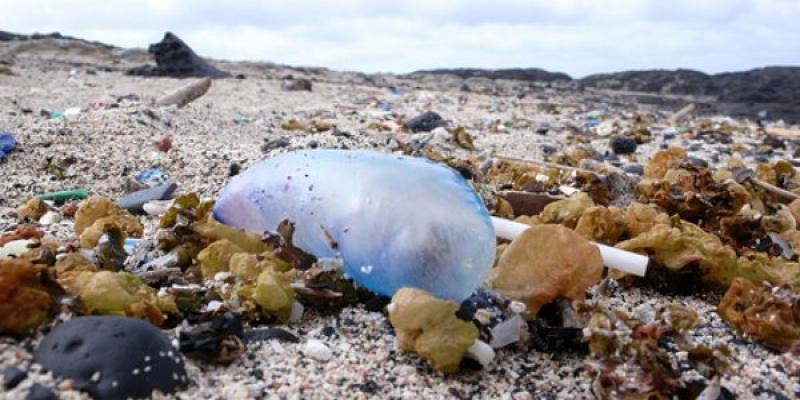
[(135, 202), (546, 262), (152, 177), (7, 144), (75, 194), (337, 216), (507, 332), (186, 94), (429, 327)]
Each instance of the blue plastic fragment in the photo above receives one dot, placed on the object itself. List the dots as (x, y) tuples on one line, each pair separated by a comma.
[(395, 221), (152, 177), (7, 144)]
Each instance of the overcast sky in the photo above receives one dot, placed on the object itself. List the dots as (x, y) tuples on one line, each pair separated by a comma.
[(574, 36)]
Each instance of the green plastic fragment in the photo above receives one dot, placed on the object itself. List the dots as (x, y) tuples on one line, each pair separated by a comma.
[(75, 194)]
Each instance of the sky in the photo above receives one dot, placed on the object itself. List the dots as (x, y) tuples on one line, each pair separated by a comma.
[(579, 37)]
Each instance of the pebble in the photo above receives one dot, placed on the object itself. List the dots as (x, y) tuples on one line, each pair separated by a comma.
[(13, 376), (50, 218), (132, 357), (425, 122), (622, 144), (317, 350), (41, 392), (635, 169)]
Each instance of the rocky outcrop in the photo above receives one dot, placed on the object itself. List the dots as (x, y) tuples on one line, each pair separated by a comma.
[(174, 58)]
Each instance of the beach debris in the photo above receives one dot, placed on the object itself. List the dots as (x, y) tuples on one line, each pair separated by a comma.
[(113, 357), (181, 97), (97, 215), (27, 296), (426, 249), (271, 292), (425, 122), (631, 358), (546, 262), (22, 232), (766, 313), (135, 202), (152, 177), (176, 59), (217, 338), (67, 195), (164, 144), (297, 84), (508, 332), (664, 160), (7, 144), (317, 350), (429, 327)]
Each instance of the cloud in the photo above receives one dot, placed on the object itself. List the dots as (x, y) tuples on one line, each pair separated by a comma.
[(575, 36)]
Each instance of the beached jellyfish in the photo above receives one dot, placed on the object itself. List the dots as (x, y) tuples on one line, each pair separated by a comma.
[(393, 220)]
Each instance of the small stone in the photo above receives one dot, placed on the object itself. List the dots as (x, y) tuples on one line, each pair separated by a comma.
[(13, 376), (116, 348), (50, 218), (317, 350), (698, 162), (41, 392), (635, 169), (135, 201), (299, 84), (425, 122), (622, 144)]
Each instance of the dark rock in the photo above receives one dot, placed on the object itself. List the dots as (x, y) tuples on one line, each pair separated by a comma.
[(622, 145), (176, 59), (328, 331), (698, 162), (234, 169), (425, 122), (133, 202), (216, 340), (13, 376), (41, 392), (636, 169), (264, 334), (774, 142), (520, 74), (112, 357), (275, 144), (296, 85)]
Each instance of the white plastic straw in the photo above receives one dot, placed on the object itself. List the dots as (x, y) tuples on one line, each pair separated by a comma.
[(625, 261)]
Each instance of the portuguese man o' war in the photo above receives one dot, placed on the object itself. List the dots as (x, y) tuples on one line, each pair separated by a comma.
[(394, 221)]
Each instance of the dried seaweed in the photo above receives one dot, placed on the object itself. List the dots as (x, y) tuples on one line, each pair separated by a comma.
[(764, 312), (27, 296)]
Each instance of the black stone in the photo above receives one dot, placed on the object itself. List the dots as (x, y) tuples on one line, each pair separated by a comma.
[(296, 85), (636, 169), (234, 169), (133, 202), (698, 162), (176, 59), (262, 335), (425, 122), (13, 376), (41, 392), (622, 145), (132, 357)]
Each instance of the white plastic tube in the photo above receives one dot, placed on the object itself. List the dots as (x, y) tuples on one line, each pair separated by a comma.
[(625, 261)]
